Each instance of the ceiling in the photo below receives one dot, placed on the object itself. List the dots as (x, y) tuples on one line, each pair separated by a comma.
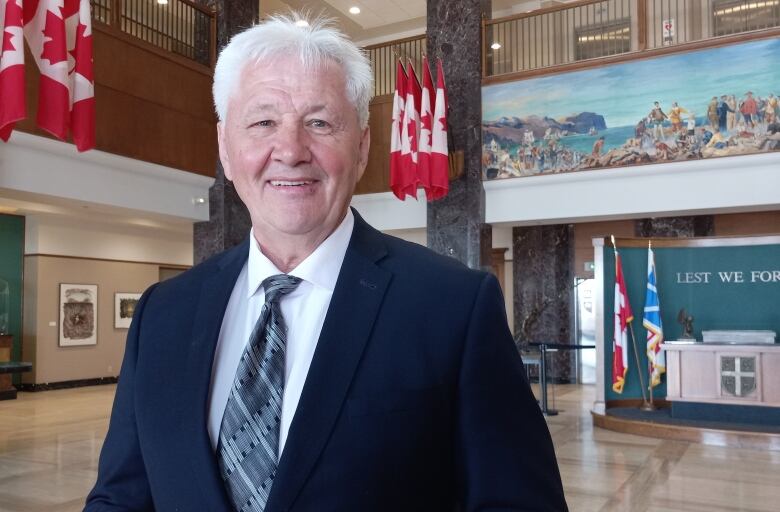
[(385, 20)]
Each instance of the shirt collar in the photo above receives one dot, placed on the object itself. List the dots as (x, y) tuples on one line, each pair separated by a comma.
[(321, 267)]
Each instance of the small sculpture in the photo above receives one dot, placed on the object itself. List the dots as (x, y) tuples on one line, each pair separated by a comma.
[(686, 320)]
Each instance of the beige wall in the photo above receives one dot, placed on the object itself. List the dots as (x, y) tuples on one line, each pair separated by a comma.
[(583, 240), (42, 276)]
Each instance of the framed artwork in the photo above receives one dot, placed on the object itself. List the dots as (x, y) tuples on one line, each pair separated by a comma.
[(78, 314), (124, 307), (673, 108)]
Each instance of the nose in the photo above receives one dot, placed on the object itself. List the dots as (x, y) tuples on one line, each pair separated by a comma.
[(291, 145)]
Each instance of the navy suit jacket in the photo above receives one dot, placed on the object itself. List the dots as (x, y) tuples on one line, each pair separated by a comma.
[(416, 398)]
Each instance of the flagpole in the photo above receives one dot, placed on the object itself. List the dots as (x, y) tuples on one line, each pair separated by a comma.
[(649, 406), (633, 343)]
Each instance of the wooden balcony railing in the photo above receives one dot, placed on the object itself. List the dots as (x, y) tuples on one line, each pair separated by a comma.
[(593, 29), (385, 55), (177, 26)]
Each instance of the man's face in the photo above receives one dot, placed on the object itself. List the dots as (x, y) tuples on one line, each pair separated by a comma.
[(292, 146)]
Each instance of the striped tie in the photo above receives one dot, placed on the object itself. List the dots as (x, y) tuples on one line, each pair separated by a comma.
[(248, 448)]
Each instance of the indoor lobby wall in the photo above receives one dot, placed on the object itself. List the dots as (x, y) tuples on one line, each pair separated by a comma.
[(117, 257), (52, 363)]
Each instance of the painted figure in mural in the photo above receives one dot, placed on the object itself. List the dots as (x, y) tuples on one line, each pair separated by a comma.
[(723, 110), (597, 147), (662, 151), (749, 108), (691, 127), (657, 117), (718, 141), (712, 112), (760, 109), (675, 117), (732, 116), (770, 111)]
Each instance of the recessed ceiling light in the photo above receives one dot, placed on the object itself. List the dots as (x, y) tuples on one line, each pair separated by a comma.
[(302, 23), (495, 46), (162, 2), (354, 10)]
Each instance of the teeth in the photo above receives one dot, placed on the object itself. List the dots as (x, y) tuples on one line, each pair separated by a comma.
[(279, 183)]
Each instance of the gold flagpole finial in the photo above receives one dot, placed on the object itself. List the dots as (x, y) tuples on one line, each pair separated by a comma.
[(613, 242)]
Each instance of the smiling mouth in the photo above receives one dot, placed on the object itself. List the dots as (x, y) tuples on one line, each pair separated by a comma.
[(285, 183)]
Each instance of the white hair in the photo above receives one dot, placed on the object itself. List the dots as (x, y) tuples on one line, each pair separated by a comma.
[(314, 44)]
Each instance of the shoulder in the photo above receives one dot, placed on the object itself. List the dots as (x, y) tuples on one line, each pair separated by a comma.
[(428, 271)]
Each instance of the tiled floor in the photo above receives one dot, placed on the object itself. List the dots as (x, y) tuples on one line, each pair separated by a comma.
[(50, 442)]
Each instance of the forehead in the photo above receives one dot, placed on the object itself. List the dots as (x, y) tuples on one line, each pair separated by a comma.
[(289, 76)]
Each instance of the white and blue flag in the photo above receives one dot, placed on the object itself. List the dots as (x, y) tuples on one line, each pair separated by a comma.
[(652, 322)]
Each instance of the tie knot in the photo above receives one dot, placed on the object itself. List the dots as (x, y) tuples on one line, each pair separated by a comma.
[(277, 286)]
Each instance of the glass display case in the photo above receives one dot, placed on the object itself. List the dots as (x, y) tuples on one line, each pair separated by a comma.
[(4, 305)]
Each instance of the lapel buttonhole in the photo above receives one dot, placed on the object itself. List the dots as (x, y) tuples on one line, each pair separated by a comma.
[(367, 284)]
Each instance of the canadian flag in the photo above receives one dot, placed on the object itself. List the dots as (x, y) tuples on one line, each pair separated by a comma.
[(426, 123), (11, 66), (439, 163), (409, 136), (399, 105), (59, 33), (622, 318)]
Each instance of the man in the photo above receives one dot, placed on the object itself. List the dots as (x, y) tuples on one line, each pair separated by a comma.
[(749, 109), (713, 112), (657, 117), (321, 365), (723, 111), (597, 147), (675, 117)]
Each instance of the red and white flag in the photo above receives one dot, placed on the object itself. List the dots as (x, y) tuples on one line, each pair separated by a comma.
[(623, 317), (12, 107), (439, 163), (397, 184), (59, 33), (409, 131), (426, 124)]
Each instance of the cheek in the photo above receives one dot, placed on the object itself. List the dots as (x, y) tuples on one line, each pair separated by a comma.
[(249, 161), (340, 163)]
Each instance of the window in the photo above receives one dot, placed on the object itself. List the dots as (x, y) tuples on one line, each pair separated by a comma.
[(735, 16), (603, 40)]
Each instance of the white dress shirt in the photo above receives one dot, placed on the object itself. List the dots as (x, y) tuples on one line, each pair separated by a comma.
[(304, 311)]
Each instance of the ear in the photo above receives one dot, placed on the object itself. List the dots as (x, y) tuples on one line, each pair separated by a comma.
[(365, 144), (223, 153)]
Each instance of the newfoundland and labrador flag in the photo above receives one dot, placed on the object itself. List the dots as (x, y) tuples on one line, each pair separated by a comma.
[(623, 317), (652, 322)]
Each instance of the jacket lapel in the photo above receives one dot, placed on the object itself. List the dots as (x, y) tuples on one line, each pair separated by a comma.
[(356, 300), (214, 296)]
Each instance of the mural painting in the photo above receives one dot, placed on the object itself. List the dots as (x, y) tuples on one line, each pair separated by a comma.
[(708, 103)]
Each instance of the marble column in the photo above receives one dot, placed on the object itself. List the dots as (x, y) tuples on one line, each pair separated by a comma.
[(229, 221), (456, 223), (676, 227), (543, 291)]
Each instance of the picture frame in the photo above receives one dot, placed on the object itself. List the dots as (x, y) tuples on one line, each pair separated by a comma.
[(124, 307), (78, 314)]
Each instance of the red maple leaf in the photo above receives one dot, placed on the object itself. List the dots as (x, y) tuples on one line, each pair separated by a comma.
[(69, 8), (82, 53), (7, 46), (55, 49), (13, 18)]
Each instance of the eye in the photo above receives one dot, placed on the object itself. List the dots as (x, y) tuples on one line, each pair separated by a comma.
[(319, 124), (264, 123)]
